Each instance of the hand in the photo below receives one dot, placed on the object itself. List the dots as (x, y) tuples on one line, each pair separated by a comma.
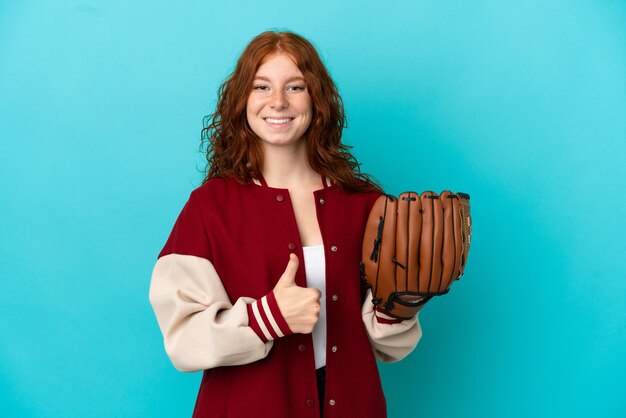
[(300, 306)]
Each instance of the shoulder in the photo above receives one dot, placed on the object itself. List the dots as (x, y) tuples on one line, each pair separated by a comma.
[(363, 199), (217, 188), (213, 185)]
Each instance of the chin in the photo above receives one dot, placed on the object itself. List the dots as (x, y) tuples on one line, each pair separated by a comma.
[(278, 141)]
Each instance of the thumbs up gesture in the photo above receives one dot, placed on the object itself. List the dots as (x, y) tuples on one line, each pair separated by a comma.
[(300, 306)]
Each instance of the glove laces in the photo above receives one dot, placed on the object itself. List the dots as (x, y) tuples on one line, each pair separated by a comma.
[(377, 240)]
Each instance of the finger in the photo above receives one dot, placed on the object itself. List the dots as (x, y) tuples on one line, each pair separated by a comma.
[(408, 230), (372, 242), (450, 257), (288, 277), (315, 293), (386, 280), (427, 241), (435, 285), (466, 228)]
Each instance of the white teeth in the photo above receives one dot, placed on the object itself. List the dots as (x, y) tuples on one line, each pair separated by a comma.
[(278, 120)]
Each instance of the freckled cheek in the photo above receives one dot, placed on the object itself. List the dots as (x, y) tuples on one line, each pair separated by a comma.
[(253, 108)]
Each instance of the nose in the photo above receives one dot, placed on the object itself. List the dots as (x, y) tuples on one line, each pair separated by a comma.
[(278, 99)]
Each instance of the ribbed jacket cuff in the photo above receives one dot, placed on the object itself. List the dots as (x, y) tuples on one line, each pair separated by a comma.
[(266, 319), (383, 318)]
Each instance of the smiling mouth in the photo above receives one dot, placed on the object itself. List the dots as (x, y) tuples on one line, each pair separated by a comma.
[(278, 122)]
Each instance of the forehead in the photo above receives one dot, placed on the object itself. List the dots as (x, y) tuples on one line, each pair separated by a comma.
[(280, 67)]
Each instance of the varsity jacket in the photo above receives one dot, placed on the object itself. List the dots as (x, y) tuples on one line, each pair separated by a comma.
[(212, 293)]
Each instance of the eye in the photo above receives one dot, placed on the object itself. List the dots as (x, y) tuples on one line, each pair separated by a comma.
[(298, 87), (259, 87)]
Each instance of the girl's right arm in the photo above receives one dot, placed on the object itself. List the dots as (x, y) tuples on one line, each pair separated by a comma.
[(201, 328)]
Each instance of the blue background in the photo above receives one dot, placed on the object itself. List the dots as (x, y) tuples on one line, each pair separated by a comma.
[(522, 104)]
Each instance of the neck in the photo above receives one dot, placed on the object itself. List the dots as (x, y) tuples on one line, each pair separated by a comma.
[(287, 166)]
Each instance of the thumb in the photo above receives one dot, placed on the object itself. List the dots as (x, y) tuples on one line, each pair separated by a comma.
[(289, 275)]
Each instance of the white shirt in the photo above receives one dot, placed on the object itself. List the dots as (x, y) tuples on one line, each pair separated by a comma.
[(315, 271)]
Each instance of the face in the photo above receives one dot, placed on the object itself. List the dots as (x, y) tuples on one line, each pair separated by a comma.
[(279, 105)]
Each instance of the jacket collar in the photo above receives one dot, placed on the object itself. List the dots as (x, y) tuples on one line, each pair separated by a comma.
[(326, 181)]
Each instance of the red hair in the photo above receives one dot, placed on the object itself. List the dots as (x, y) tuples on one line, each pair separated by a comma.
[(232, 148)]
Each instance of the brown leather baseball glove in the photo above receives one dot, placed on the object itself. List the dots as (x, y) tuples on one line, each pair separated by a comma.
[(414, 247)]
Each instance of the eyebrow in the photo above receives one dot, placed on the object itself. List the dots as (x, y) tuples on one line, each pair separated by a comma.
[(260, 77)]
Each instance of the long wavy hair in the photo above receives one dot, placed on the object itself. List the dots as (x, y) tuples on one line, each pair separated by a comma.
[(233, 149)]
